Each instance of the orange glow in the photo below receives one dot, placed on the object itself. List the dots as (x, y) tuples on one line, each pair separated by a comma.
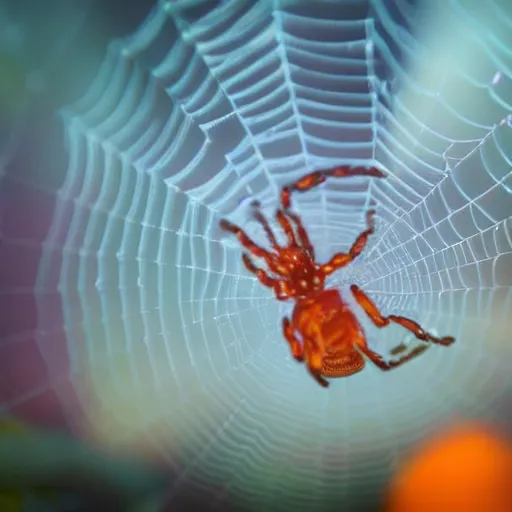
[(466, 469)]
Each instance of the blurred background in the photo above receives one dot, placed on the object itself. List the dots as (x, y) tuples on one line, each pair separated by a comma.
[(129, 129)]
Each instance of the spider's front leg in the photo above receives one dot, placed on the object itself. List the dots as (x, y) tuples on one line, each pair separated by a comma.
[(284, 220), (382, 321), (252, 247), (259, 217), (315, 178), (342, 259), (246, 242), (284, 217), (280, 287)]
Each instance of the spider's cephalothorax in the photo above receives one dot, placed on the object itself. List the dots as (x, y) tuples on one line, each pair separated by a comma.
[(331, 341), (300, 270)]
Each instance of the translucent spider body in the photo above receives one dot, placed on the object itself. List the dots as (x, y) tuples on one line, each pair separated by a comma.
[(323, 331)]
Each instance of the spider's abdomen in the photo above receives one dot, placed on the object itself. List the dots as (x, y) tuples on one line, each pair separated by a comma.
[(327, 319), (329, 327)]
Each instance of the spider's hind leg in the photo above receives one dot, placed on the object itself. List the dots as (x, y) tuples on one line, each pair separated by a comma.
[(295, 345), (382, 321), (377, 360), (314, 362), (318, 377)]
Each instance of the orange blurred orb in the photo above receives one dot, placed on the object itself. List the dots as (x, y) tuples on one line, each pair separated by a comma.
[(465, 469)]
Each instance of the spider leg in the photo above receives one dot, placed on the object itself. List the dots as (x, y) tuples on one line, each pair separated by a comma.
[(281, 289), (382, 321), (244, 239), (295, 345), (262, 276), (313, 354), (285, 223), (398, 349), (251, 246), (314, 361), (315, 178), (377, 360), (342, 259), (302, 233), (266, 226), (287, 227), (318, 377)]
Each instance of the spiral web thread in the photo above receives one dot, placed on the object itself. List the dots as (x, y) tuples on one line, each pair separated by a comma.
[(205, 106)]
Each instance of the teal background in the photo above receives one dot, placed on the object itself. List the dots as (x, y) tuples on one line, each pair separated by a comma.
[(128, 132)]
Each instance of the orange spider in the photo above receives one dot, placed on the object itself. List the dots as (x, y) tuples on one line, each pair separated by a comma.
[(323, 331)]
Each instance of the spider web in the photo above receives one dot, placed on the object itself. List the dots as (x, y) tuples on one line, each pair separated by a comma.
[(209, 104)]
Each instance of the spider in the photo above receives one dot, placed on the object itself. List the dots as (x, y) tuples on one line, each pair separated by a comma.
[(323, 331)]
